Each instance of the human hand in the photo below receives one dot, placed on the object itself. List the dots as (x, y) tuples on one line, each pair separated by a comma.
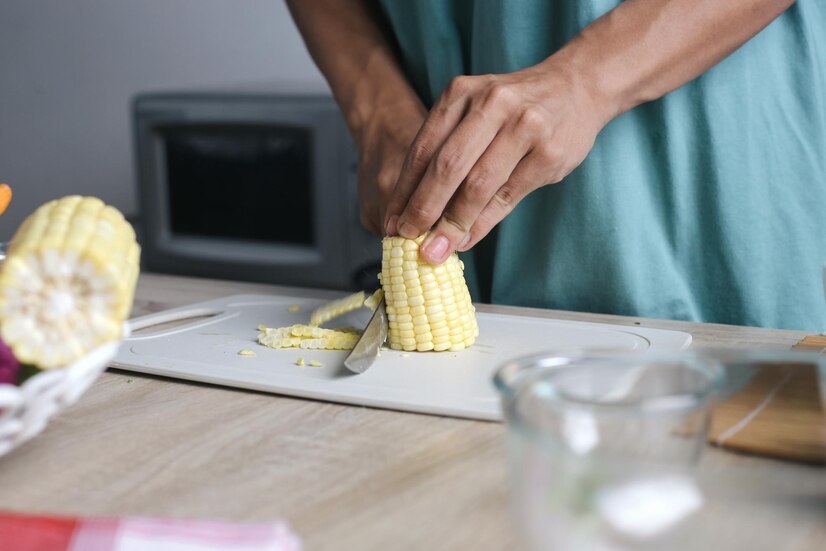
[(489, 141), (383, 144)]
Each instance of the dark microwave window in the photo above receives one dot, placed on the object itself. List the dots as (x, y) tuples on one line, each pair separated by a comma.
[(249, 183)]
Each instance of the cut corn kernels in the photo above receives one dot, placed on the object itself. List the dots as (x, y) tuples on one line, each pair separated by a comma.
[(373, 300), (309, 337), (337, 308)]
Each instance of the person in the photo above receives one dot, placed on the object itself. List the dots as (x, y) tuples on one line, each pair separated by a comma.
[(657, 158)]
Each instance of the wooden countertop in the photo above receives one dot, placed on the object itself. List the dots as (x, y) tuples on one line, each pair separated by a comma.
[(344, 477)]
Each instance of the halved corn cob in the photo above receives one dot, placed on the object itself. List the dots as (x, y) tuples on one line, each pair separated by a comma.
[(68, 281), (428, 307)]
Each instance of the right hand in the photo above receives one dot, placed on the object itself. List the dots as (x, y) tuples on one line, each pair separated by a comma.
[(383, 143)]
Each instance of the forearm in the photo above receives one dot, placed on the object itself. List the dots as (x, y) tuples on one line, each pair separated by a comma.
[(644, 49), (348, 45)]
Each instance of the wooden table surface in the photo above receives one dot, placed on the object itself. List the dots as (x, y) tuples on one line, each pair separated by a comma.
[(344, 477)]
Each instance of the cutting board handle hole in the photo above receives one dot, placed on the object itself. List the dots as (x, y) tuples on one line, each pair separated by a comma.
[(156, 324)]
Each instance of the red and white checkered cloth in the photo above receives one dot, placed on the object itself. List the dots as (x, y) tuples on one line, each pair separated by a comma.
[(20, 532)]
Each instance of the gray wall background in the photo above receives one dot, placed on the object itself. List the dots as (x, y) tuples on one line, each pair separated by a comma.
[(69, 68)]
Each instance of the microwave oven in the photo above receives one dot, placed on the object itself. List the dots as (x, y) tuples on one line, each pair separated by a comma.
[(255, 184)]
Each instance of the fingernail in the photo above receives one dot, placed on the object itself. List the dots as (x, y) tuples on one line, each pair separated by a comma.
[(464, 242), (436, 250), (392, 222), (408, 231)]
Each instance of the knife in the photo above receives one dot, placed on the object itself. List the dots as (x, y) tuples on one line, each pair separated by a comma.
[(367, 348)]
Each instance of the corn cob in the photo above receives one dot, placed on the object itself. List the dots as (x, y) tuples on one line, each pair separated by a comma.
[(428, 307), (68, 281)]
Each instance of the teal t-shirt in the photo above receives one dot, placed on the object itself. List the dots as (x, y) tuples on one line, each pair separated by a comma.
[(706, 205)]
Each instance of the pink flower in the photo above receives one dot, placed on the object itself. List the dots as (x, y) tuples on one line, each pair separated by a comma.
[(9, 366)]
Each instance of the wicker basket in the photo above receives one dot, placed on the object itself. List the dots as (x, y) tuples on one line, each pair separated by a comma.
[(25, 410)]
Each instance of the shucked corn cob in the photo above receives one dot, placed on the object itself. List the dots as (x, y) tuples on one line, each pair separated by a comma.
[(428, 307), (68, 281)]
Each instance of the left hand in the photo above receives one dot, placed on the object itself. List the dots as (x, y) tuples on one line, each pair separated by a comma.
[(383, 143), (489, 141)]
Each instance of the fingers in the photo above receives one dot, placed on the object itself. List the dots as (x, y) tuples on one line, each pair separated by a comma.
[(370, 199), (440, 123), (528, 175), (460, 152), (385, 180), (489, 174), (376, 179), (460, 178), (368, 203)]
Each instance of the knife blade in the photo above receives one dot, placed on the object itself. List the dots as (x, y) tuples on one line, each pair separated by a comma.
[(367, 348)]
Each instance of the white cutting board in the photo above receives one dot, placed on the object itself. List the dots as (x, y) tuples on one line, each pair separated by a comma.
[(443, 383)]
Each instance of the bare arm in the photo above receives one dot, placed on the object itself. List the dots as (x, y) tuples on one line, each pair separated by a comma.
[(490, 140), (382, 110), (349, 47), (644, 49)]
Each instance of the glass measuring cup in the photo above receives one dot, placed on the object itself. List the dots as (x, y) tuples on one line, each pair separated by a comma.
[(602, 448)]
